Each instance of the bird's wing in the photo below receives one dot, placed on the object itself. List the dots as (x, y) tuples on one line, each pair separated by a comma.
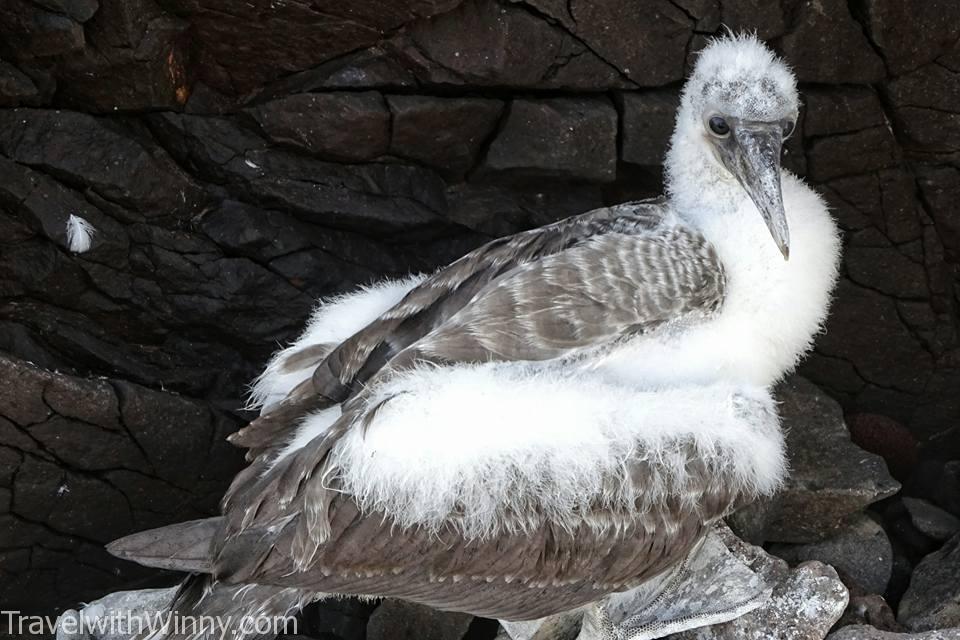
[(605, 287), (339, 370), (512, 574)]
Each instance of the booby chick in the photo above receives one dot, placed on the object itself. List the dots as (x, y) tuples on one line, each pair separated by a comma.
[(556, 416)]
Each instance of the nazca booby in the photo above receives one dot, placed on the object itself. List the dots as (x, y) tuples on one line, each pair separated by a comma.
[(556, 416)]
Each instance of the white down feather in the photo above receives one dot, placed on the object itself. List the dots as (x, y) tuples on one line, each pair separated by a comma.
[(489, 441), (332, 321)]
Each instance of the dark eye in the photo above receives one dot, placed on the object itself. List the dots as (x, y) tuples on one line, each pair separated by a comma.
[(788, 127), (719, 126)]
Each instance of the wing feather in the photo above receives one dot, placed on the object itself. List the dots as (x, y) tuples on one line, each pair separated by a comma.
[(534, 297), (348, 366)]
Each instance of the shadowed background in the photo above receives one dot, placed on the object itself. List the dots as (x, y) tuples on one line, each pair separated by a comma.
[(240, 159)]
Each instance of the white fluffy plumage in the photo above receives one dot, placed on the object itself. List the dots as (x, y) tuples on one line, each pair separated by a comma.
[(332, 321), (492, 441)]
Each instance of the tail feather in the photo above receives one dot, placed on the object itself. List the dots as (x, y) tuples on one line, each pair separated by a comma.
[(185, 546)]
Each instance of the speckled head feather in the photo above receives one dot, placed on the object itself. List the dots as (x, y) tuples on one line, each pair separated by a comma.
[(740, 76)]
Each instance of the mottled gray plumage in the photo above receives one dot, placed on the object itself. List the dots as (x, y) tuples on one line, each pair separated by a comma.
[(542, 294)]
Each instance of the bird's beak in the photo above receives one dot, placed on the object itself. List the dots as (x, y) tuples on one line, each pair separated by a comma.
[(756, 164)]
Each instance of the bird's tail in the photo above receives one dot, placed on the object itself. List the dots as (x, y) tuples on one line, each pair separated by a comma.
[(203, 608)]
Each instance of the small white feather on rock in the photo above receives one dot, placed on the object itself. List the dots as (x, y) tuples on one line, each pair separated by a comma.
[(79, 234)]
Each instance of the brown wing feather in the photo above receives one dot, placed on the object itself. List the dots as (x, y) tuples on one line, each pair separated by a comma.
[(518, 576), (585, 296), (428, 306)]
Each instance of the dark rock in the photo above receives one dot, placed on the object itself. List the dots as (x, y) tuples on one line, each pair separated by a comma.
[(483, 43), (345, 618), (825, 44), (496, 210), (254, 232), (371, 68), (87, 467), (34, 32), (766, 17), (860, 553), (82, 505), (925, 109), (341, 126), (911, 33), (400, 620), (563, 137), (868, 324), (16, 88), (931, 520), (841, 110), (904, 532), (851, 154), (377, 199), (948, 495), (446, 134), (940, 187), (865, 632), (647, 124), (79, 10), (242, 46), (887, 438), (115, 165), (933, 599), (646, 42), (870, 610), (830, 478), (887, 270)]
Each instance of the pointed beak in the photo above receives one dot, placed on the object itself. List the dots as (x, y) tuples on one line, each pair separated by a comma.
[(755, 162)]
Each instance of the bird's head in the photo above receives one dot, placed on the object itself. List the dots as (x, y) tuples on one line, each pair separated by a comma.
[(738, 106)]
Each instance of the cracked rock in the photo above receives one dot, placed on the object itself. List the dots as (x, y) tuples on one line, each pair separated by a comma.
[(910, 33), (827, 45), (444, 133), (91, 460), (343, 126), (562, 137)]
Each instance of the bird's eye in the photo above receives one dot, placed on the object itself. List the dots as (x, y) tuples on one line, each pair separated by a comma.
[(719, 126), (788, 127)]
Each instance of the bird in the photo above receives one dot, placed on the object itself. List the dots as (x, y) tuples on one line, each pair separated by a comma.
[(558, 415)]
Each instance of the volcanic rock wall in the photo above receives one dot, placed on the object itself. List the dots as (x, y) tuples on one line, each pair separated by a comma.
[(238, 159)]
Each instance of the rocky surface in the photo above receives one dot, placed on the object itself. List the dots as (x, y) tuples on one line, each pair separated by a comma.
[(933, 599), (804, 605), (87, 460), (931, 520), (861, 554), (831, 480), (239, 159), (398, 620), (865, 632)]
